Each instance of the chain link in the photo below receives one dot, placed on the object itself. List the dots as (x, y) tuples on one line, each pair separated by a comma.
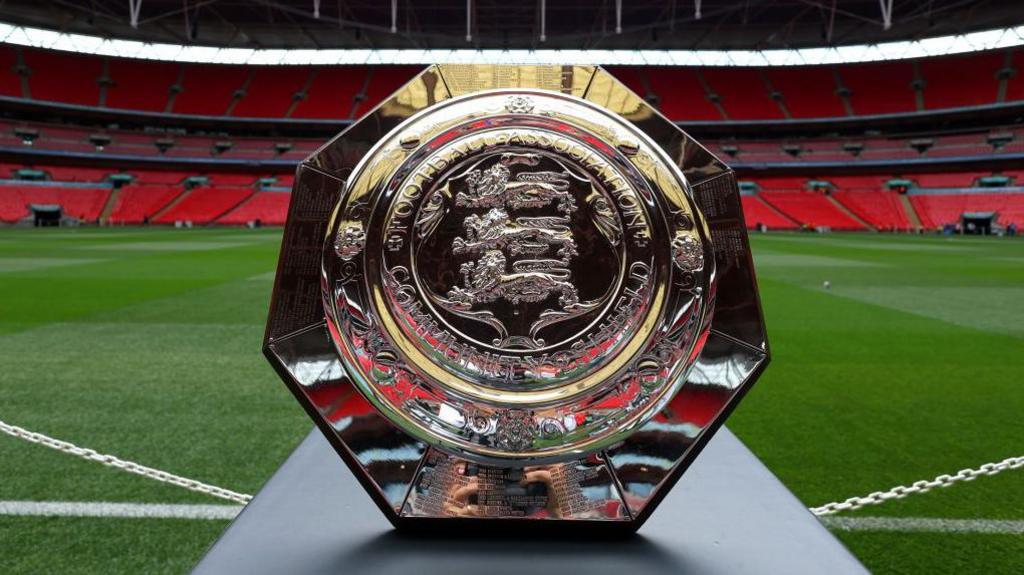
[(129, 466), (874, 498), (901, 491)]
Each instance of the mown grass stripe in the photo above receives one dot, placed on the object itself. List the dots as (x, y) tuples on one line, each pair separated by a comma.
[(123, 510), (925, 524)]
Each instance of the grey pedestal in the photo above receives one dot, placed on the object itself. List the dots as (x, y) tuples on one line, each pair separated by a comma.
[(727, 515)]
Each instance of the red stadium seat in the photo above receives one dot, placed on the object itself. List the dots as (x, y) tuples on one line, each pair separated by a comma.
[(757, 212), (744, 95), (204, 204), (10, 82), (270, 208), (808, 91), (207, 90), (949, 180), (141, 85), (879, 88), (958, 81), (332, 93), (137, 202), (881, 209), (270, 93), (159, 177), (811, 208), (76, 174), (939, 209), (680, 94), (64, 77), (1015, 85), (82, 203)]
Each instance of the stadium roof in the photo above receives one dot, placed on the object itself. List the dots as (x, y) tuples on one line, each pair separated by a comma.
[(939, 46), (529, 25)]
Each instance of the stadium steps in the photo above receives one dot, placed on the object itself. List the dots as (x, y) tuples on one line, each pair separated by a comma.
[(177, 200), (842, 208), (777, 211), (235, 207), (908, 208), (108, 207)]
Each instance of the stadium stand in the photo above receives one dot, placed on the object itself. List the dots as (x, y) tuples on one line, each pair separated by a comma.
[(938, 209), (807, 92), (706, 95), (84, 203), (125, 91), (756, 212), (202, 204), (677, 92), (810, 208), (269, 208), (271, 92), (10, 83), (960, 81), (63, 77), (1015, 83), (879, 88), (742, 92), (138, 203), (682, 93), (946, 180), (879, 208), (208, 90), (332, 93)]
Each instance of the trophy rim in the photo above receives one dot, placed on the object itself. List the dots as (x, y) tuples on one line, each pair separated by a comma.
[(655, 319)]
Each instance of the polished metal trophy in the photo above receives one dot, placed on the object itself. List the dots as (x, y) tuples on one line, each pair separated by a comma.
[(516, 294)]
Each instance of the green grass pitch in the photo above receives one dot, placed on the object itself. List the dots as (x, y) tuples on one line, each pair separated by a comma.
[(146, 344)]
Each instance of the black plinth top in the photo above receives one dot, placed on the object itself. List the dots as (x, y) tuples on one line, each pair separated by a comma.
[(727, 515)]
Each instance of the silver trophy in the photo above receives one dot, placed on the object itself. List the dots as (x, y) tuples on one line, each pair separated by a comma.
[(516, 293)]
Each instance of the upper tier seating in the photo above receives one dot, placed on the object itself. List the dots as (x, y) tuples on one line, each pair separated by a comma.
[(10, 83), (332, 93), (879, 88), (336, 92), (743, 93), (270, 208), (126, 91), (82, 203), (271, 92), (960, 81), (208, 90), (62, 77), (808, 92), (811, 208), (204, 204)]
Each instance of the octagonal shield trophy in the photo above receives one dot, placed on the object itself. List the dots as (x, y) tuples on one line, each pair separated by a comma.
[(516, 295)]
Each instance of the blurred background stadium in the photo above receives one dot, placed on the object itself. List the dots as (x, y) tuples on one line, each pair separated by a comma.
[(886, 130)]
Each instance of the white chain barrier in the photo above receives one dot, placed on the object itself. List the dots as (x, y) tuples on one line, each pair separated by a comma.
[(901, 491), (875, 498), (129, 466)]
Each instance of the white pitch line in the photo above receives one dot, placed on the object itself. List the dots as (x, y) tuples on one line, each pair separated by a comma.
[(227, 512), (924, 524), (108, 509)]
